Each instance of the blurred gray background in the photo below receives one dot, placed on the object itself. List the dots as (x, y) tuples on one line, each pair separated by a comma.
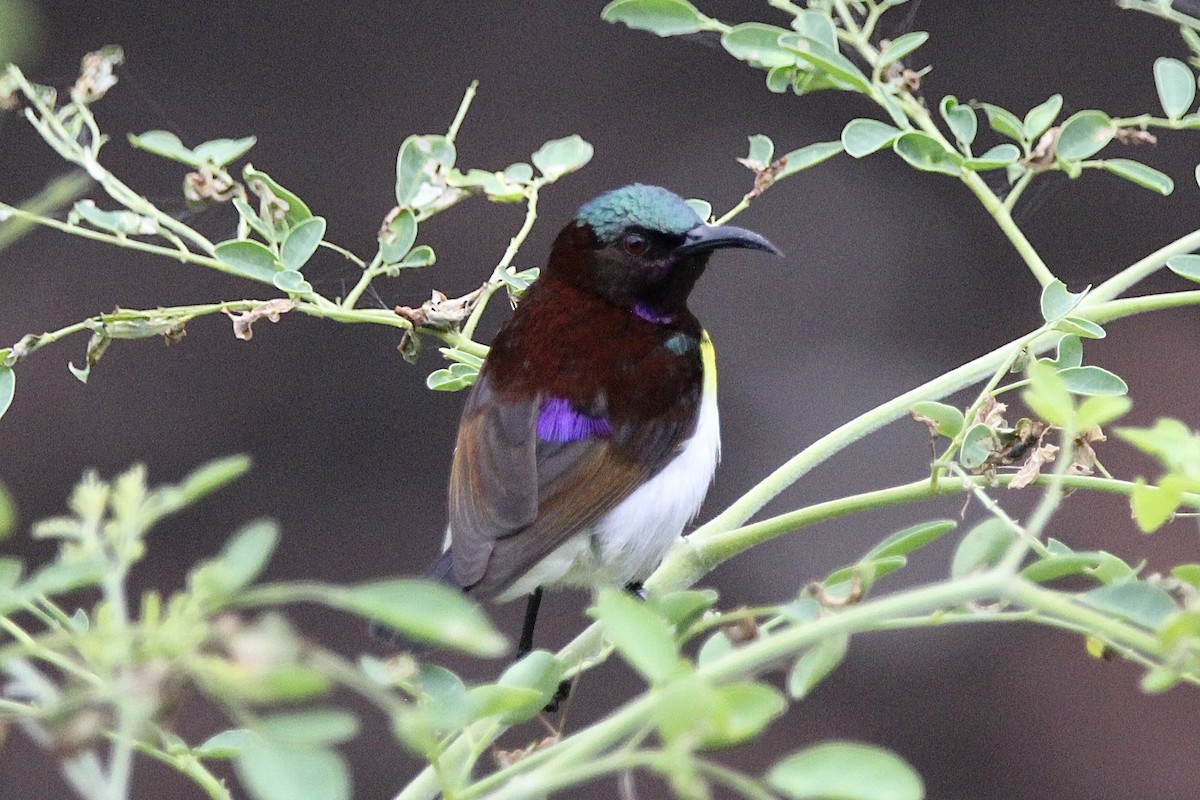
[(892, 277)]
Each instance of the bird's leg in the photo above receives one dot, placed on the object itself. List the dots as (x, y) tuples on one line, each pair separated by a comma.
[(525, 645)]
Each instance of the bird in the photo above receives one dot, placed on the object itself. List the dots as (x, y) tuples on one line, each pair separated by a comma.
[(591, 435)]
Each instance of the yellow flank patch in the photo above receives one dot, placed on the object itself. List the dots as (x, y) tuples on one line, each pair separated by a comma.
[(708, 358)]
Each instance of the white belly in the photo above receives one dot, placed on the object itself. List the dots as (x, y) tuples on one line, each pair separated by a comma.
[(629, 542)]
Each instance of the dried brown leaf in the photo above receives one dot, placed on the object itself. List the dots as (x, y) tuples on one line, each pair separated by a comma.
[(244, 320)]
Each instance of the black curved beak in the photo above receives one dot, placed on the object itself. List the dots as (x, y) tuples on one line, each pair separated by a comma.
[(704, 238)]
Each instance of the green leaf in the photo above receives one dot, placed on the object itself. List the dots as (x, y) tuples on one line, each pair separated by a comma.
[(901, 543), (1136, 601), (927, 154), (8, 521), (418, 162), (243, 557), (292, 282), (1188, 573), (682, 608), (1101, 410), (301, 242), (249, 259), (1069, 353), (1185, 266), (1042, 116), (961, 119), (825, 59), (838, 582), (643, 638), (420, 256), (1004, 122), (1140, 173), (453, 378), (1057, 302), (1047, 394), (311, 727), (901, 46), (758, 44), (423, 610), (998, 157), (274, 771), (8, 385), (861, 137), (1176, 85), (660, 17), (1084, 134), (816, 25), (210, 477), (1092, 381), (165, 144), (703, 208), (846, 771), (220, 152), (780, 79), (815, 665), (1154, 506), (982, 547), (252, 220), (761, 151), (398, 236), (1066, 565), (519, 172), (949, 420), (538, 672), (978, 444), (226, 744), (557, 157), (751, 707), (1080, 327), (808, 156)]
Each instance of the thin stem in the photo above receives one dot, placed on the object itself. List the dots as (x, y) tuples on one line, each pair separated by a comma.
[(510, 253), (370, 272), (190, 766), (120, 241), (1129, 306), (60, 191), (461, 114)]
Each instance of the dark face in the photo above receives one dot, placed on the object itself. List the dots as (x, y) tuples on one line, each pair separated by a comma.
[(644, 269)]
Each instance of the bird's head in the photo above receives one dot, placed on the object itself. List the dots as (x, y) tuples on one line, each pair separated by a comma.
[(643, 248)]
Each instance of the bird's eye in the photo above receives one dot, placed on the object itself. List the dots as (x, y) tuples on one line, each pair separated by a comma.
[(635, 244)]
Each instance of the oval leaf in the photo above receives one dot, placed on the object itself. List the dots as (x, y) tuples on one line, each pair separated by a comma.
[(398, 236), (1136, 601), (660, 17), (1176, 85), (273, 771), (900, 47), (982, 547), (758, 45), (1004, 122), (8, 385), (301, 242), (292, 282), (1042, 116), (423, 610), (901, 543), (1084, 134), (1185, 266), (1057, 302), (947, 419), (846, 771), (926, 153), (557, 157), (961, 119), (816, 663), (861, 137), (1140, 173), (248, 259), (1002, 155), (807, 156), (643, 638), (1092, 381)]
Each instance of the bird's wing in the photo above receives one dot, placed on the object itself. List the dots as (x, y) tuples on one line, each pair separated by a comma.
[(507, 481)]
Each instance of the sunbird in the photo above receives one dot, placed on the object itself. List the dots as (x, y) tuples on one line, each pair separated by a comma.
[(591, 435)]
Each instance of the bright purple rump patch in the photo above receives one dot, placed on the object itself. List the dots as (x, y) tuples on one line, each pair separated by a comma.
[(558, 421)]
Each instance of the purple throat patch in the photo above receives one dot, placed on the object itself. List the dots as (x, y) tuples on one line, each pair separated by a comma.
[(558, 421)]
